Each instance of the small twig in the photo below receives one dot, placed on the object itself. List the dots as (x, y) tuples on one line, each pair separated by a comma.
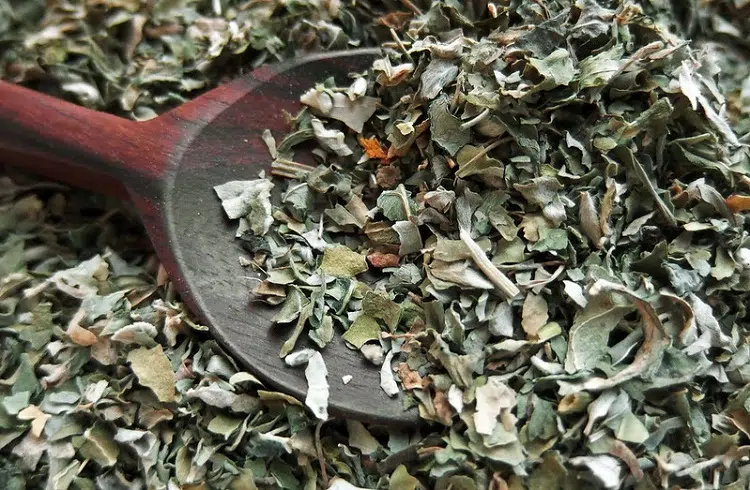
[(530, 267), (414, 9), (401, 46), (477, 119), (319, 451), (505, 285), (289, 169), (488, 149)]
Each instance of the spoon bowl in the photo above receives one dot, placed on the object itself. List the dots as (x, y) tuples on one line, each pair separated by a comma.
[(168, 167)]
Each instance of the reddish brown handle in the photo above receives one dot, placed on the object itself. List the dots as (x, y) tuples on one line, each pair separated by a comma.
[(78, 146)]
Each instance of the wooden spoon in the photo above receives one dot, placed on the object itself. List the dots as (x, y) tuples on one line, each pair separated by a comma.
[(168, 167)]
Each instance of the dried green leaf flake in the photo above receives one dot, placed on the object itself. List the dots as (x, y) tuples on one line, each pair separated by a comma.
[(154, 371), (446, 129), (364, 329), (341, 261)]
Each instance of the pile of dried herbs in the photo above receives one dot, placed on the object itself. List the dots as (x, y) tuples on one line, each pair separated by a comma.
[(530, 213), (137, 58)]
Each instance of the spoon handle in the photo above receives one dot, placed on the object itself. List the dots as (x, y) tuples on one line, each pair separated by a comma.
[(78, 146)]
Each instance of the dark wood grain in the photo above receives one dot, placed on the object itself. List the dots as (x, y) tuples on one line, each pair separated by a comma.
[(168, 167)]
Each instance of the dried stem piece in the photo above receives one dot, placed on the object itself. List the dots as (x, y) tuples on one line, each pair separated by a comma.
[(504, 285)]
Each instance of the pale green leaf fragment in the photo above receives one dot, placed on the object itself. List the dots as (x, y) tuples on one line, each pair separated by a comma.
[(446, 129), (215, 395), (63, 479), (144, 443), (557, 69), (97, 306), (330, 139), (317, 386), (509, 252), (281, 276), (25, 378), (493, 397), (224, 425), (293, 304), (380, 306), (438, 74), (574, 291), (249, 200), (153, 369), (473, 160), (724, 265), (360, 437), (39, 331), (396, 205), (409, 237), (459, 274), (16, 402), (242, 377), (551, 239), (11, 260), (82, 280), (500, 436), (402, 480), (543, 421), (636, 225), (337, 105), (100, 446), (299, 358), (141, 333), (589, 334), (598, 70), (340, 261), (632, 429), (510, 454), (341, 484), (364, 329), (454, 250), (288, 345), (322, 335), (341, 216), (540, 191)]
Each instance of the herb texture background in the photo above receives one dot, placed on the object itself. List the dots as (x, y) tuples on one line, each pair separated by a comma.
[(106, 382)]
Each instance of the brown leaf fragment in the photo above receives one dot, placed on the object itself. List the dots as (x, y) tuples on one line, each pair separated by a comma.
[(373, 148), (741, 420), (79, 335), (607, 204), (381, 261), (388, 177), (534, 314), (394, 20), (37, 417), (589, 219), (574, 403), (738, 203), (620, 450), (443, 409), (409, 379), (266, 288)]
